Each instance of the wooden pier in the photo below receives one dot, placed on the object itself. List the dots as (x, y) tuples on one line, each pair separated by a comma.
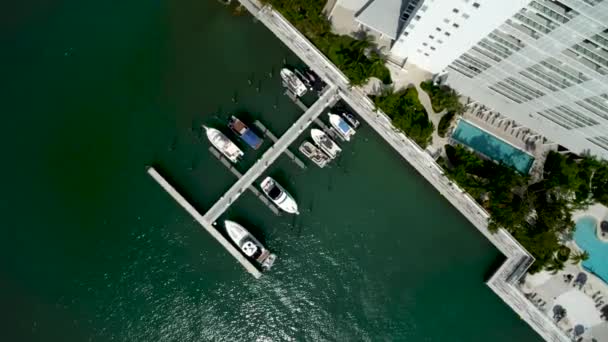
[(251, 188), (274, 139), (205, 224)]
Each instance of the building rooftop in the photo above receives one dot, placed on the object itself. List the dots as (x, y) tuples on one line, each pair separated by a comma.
[(382, 16)]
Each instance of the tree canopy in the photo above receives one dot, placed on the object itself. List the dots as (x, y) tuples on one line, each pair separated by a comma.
[(407, 114), (442, 97), (444, 123), (357, 58), (538, 215)]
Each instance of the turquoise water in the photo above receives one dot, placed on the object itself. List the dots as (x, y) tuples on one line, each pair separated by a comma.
[(586, 238), (492, 147)]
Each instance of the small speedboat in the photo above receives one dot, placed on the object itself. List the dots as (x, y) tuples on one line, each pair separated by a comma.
[(293, 83), (223, 144), (250, 245), (325, 143), (279, 196), (341, 126), (313, 153), (352, 120)]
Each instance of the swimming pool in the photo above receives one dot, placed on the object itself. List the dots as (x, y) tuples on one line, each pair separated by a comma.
[(586, 238), (492, 147)]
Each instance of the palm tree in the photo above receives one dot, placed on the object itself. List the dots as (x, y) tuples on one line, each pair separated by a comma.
[(579, 257), (555, 265)]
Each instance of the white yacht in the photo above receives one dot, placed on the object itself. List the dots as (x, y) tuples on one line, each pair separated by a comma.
[(325, 143), (279, 196), (292, 82), (341, 126), (223, 144), (315, 154), (250, 245)]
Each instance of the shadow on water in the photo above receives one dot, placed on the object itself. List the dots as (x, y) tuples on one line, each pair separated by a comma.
[(494, 266)]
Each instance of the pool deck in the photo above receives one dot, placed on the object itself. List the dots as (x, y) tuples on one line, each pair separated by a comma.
[(512, 133), (504, 281), (548, 288), (494, 136)]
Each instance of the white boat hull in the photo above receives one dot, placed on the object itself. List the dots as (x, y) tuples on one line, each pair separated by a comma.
[(279, 196), (249, 244), (325, 143), (341, 126), (293, 83), (223, 144)]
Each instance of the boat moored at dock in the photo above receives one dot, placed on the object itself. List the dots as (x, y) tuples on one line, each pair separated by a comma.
[(249, 245), (314, 154), (351, 119), (325, 143), (245, 133), (293, 83), (341, 126), (279, 196), (223, 144)]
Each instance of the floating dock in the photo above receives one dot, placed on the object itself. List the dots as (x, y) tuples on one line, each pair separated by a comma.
[(327, 99), (236, 172), (207, 225), (329, 131), (274, 139)]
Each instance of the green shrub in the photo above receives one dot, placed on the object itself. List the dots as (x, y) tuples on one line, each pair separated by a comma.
[(442, 97), (444, 123), (346, 52), (407, 114)]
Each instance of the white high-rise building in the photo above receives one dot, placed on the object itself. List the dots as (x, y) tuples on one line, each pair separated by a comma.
[(439, 31), (542, 63), (546, 67)]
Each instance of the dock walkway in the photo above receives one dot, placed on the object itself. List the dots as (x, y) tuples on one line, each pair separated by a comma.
[(204, 223), (274, 139), (329, 98), (503, 282), (329, 131), (238, 174)]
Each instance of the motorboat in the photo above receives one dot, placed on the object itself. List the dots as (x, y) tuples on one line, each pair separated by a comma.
[(351, 119), (223, 144), (245, 133), (249, 245), (293, 83), (341, 126), (325, 143), (304, 79), (314, 154), (279, 196)]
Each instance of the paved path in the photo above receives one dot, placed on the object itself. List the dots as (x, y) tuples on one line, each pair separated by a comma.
[(329, 98), (518, 259)]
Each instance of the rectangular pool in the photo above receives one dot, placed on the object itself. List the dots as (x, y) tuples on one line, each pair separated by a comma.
[(492, 147)]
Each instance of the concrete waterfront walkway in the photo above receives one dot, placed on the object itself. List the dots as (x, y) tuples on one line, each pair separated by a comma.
[(328, 98), (503, 282)]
